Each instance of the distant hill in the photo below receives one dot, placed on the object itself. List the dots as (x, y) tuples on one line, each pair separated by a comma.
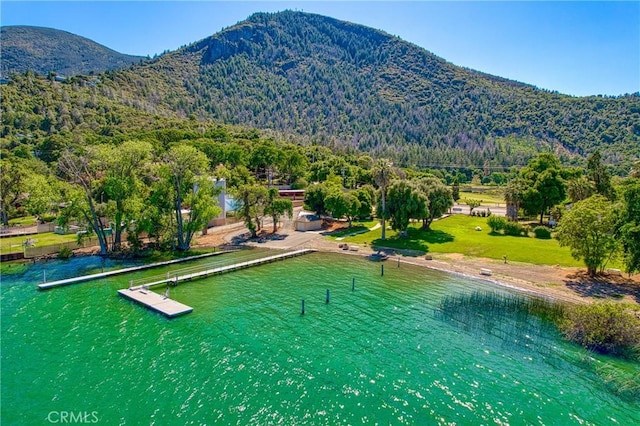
[(351, 88), (44, 50), (342, 84)]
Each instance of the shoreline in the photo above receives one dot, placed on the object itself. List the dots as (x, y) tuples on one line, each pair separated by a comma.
[(470, 268), (558, 283)]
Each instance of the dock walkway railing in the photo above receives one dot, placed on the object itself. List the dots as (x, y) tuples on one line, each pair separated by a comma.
[(186, 274)]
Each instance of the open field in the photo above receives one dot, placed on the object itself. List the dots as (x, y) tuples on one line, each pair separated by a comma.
[(457, 234), (16, 244), (488, 197)]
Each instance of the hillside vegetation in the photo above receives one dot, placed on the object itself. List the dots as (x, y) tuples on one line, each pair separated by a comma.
[(336, 84), (45, 50), (342, 84)]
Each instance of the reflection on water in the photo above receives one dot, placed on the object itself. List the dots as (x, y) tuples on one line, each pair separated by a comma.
[(391, 351)]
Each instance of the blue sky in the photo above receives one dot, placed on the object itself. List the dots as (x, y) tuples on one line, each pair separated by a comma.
[(577, 48)]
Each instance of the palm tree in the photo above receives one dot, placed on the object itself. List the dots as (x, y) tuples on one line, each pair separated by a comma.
[(513, 194), (382, 174)]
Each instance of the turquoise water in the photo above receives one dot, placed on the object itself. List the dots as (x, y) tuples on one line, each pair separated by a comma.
[(383, 353)]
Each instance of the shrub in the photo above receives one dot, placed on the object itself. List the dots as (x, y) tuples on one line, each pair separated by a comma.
[(65, 253), (496, 223), (300, 183), (47, 218), (607, 327), (135, 242), (514, 229), (542, 232)]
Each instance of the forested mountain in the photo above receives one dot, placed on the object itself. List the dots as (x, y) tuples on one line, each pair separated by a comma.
[(338, 84), (45, 50), (341, 85)]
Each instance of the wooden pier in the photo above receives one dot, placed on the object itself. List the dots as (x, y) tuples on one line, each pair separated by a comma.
[(170, 308), (74, 280)]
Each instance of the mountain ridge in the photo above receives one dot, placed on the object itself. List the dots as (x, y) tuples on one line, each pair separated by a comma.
[(341, 84), (44, 50)]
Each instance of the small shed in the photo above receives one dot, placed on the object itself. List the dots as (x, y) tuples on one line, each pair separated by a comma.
[(308, 221)]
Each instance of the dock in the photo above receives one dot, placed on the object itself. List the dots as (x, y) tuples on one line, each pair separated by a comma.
[(175, 277), (170, 308), (74, 280)]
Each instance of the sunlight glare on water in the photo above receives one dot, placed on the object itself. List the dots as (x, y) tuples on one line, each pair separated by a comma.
[(380, 354)]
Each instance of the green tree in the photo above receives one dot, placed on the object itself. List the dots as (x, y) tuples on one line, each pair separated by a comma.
[(580, 188), (382, 174), (514, 196), (472, 203), (635, 170), (122, 183), (252, 200), (440, 198), (192, 192), (545, 186), (354, 206), (43, 194), (455, 189), (264, 156), (336, 202), (316, 196), (235, 177), (83, 171), (13, 175), (405, 202), (236, 154), (630, 225), (156, 218), (293, 162), (277, 207), (365, 196), (588, 229), (599, 175)]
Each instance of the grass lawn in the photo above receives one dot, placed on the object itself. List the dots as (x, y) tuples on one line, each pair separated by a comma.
[(457, 234), (23, 221), (487, 198), (14, 244), (357, 227)]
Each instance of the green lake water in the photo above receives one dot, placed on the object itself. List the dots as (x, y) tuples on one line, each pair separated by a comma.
[(384, 353)]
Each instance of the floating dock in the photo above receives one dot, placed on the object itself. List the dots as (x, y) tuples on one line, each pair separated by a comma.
[(74, 280), (170, 308), (162, 304)]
